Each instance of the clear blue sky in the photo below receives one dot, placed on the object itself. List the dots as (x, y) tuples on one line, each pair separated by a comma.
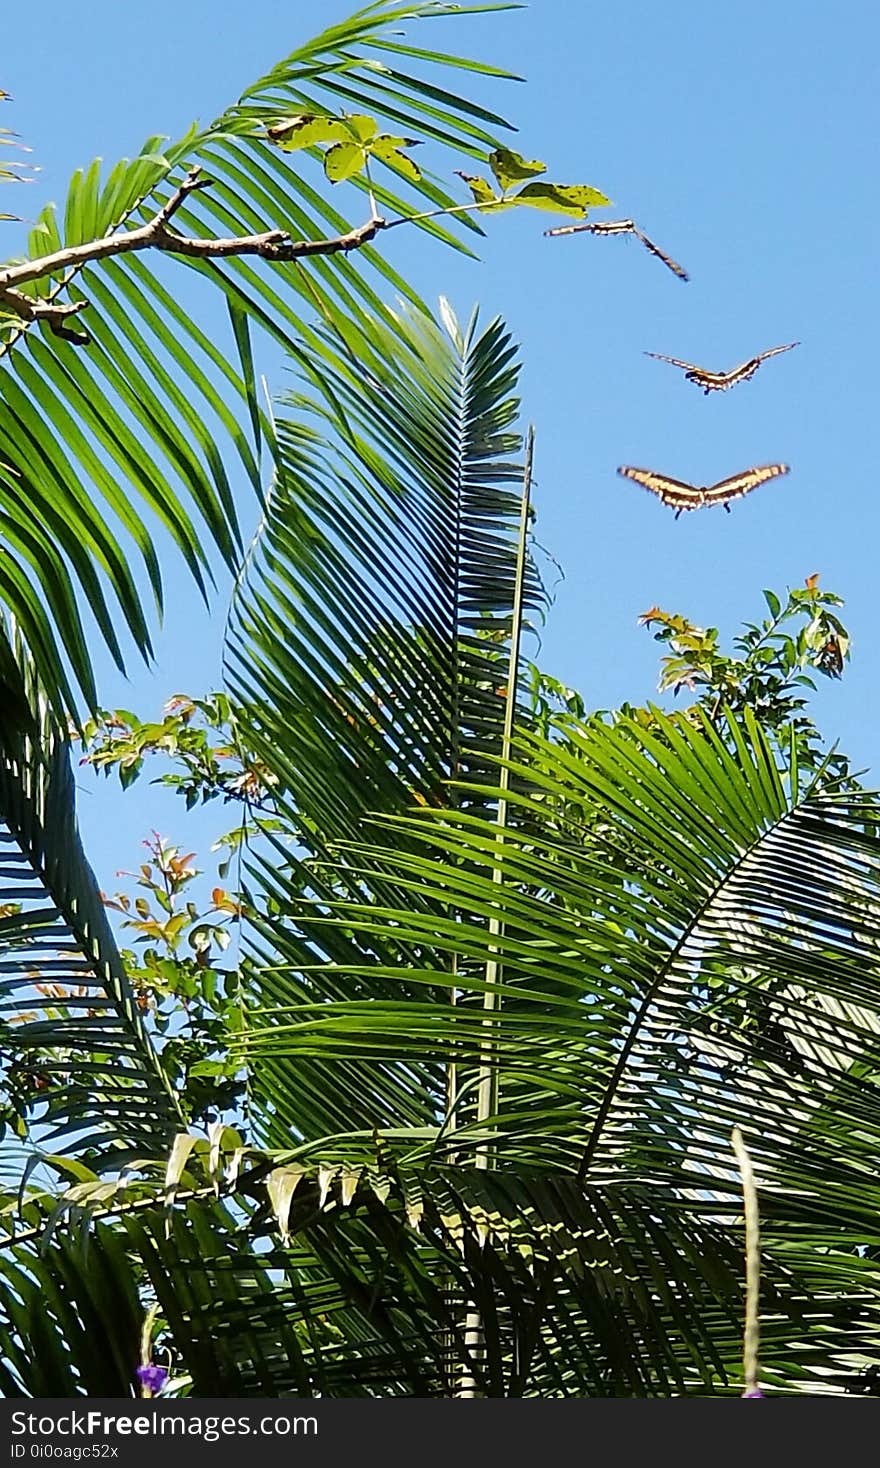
[(742, 138)]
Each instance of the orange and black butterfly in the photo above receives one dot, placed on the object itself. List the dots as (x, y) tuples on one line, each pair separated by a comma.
[(622, 226), (719, 381), (679, 495)]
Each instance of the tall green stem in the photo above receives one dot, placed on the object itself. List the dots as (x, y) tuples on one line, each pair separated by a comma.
[(487, 1087), (487, 1081)]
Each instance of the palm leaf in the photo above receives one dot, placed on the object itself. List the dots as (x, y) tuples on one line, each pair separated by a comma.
[(100, 445), (70, 1320), (685, 945), (80, 1065), (367, 650), (611, 1289)]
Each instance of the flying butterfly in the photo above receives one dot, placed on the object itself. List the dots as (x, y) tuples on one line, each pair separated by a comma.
[(679, 495), (719, 381), (622, 226)]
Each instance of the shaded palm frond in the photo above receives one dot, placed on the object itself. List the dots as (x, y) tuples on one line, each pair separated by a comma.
[(78, 1062), (353, 1282), (368, 653)]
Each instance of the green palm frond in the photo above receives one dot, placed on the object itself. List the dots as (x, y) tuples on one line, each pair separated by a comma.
[(684, 946), (78, 1061), (70, 1319), (354, 1281), (102, 446), (367, 650)]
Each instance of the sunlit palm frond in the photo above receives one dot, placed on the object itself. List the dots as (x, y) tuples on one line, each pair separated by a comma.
[(683, 947), (368, 649), (108, 451)]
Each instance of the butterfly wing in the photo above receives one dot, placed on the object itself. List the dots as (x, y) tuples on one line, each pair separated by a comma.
[(714, 381), (679, 495), (676, 493), (740, 484), (831, 658), (569, 229), (745, 370), (675, 361), (667, 260), (775, 351), (621, 226), (742, 373), (599, 226), (708, 381), (613, 226)]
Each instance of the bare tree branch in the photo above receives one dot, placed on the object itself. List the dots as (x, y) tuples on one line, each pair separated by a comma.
[(32, 310), (156, 234)]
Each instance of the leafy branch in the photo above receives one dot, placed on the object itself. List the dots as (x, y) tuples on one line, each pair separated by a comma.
[(511, 169), (156, 234), (352, 141), (768, 671)]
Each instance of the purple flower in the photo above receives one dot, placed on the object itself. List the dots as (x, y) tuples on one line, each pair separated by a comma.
[(753, 1392), (152, 1377)]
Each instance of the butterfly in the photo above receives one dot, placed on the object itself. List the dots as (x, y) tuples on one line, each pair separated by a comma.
[(622, 226), (679, 495), (718, 381)]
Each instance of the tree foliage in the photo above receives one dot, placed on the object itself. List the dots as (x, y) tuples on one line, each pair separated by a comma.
[(457, 1118)]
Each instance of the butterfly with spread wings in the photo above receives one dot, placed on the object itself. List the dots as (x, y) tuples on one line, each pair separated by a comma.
[(719, 381), (679, 495), (622, 226)]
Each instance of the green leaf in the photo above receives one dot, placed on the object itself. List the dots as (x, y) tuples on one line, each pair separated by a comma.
[(380, 479), (685, 943), (88, 1030), (510, 168), (177, 1160), (307, 129), (574, 199), (773, 603), (363, 129), (483, 192), (389, 151), (343, 161), (166, 397), (241, 331)]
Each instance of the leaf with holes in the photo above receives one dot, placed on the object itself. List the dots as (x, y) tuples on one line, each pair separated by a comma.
[(510, 168), (307, 129), (390, 150), (343, 161), (574, 199), (483, 193)]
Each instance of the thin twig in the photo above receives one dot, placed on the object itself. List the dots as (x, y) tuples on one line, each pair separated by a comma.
[(374, 212), (29, 310), (272, 244), (487, 1095), (120, 1209), (452, 210), (275, 245)]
